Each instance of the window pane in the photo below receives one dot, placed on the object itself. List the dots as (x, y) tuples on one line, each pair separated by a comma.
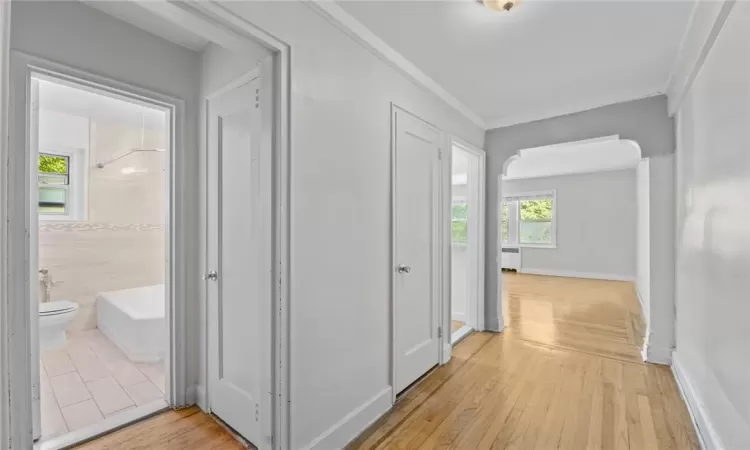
[(52, 200), (458, 222), (53, 164), (535, 232), (536, 209), (504, 223)]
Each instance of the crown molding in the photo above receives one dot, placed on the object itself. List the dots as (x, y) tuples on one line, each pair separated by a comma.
[(706, 21), (335, 14)]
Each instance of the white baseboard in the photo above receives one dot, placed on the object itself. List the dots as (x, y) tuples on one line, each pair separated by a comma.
[(656, 355), (461, 317), (354, 423), (709, 439), (573, 274), (495, 324)]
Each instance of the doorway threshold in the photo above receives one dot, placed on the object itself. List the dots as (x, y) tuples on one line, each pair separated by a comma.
[(106, 426), (458, 335)]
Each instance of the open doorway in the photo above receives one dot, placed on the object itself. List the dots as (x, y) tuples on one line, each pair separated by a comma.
[(467, 241), (569, 258), (99, 196)]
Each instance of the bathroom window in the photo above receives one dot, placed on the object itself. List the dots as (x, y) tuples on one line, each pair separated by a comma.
[(59, 187)]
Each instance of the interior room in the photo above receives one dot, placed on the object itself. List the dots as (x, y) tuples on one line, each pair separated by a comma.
[(312, 203), (102, 205)]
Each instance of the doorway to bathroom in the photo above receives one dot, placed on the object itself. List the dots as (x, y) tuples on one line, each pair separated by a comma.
[(467, 240), (99, 252)]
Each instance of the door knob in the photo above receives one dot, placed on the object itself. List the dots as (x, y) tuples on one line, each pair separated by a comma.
[(403, 268), (212, 275)]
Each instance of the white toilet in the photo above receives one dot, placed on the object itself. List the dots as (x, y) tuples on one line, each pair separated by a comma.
[(54, 317)]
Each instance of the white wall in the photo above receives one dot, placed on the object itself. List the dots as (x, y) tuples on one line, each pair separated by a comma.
[(340, 218), (76, 35), (643, 252), (596, 224), (712, 357)]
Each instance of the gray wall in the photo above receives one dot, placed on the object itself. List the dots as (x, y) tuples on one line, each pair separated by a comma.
[(644, 121), (595, 222)]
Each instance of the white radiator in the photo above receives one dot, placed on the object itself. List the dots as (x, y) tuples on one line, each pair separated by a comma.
[(511, 258)]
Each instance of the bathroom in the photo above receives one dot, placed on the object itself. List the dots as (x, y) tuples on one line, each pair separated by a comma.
[(102, 208)]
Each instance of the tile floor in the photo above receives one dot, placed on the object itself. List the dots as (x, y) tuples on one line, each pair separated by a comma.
[(92, 379)]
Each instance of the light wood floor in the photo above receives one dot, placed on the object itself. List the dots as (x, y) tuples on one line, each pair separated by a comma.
[(564, 375), (188, 428), (456, 325)]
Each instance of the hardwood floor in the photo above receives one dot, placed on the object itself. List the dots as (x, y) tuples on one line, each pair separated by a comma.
[(188, 428), (564, 375), (456, 325)]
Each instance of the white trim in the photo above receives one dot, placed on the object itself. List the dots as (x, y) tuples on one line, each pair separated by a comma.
[(281, 97), (369, 40), (706, 21), (627, 166), (8, 433), (108, 425), (574, 274), (458, 335), (709, 438), (481, 238), (656, 355), (354, 423)]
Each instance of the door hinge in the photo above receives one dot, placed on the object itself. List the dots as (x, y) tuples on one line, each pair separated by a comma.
[(440, 154), (257, 412), (440, 332), (257, 97)]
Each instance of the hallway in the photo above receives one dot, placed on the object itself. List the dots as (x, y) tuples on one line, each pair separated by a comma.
[(566, 374)]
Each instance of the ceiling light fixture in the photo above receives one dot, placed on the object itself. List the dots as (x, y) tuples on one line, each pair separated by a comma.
[(499, 5)]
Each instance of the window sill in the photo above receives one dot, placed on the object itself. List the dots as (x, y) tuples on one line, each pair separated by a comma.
[(550, 246)]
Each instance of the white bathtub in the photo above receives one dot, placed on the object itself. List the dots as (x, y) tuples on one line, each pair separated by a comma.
[(133, 319)]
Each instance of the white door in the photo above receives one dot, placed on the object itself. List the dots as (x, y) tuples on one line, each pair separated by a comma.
[(416, 273), (239, 274)]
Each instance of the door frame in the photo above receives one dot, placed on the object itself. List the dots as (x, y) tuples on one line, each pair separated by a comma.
[(276, 135), (443, 249), (476, 309), (16, 192)]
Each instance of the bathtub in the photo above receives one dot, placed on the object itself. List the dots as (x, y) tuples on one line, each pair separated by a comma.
[(133, 319)]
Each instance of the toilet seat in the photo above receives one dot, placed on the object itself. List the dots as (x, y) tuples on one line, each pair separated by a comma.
[(57, 308)]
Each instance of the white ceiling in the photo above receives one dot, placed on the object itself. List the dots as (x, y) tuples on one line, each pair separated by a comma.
[(58, 97), (545, 58), (592, 155)]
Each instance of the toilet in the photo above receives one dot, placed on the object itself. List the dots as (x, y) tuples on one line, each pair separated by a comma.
[(54, 317)]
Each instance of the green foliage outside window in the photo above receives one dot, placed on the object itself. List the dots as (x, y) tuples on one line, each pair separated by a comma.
[(533, 210), (53, 164), (458, 222)]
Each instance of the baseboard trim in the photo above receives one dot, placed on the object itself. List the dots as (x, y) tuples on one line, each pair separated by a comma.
[(354, 423), (573, 274), (656, 355), (495, 325), (707, 435)]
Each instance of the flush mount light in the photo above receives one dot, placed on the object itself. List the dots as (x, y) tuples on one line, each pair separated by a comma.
[(499, 5)]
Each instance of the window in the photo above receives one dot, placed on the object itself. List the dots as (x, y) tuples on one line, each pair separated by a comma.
[(528, 220), (61, 185), (459, 221), (535, 222), (54, 184), (504, 223)]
